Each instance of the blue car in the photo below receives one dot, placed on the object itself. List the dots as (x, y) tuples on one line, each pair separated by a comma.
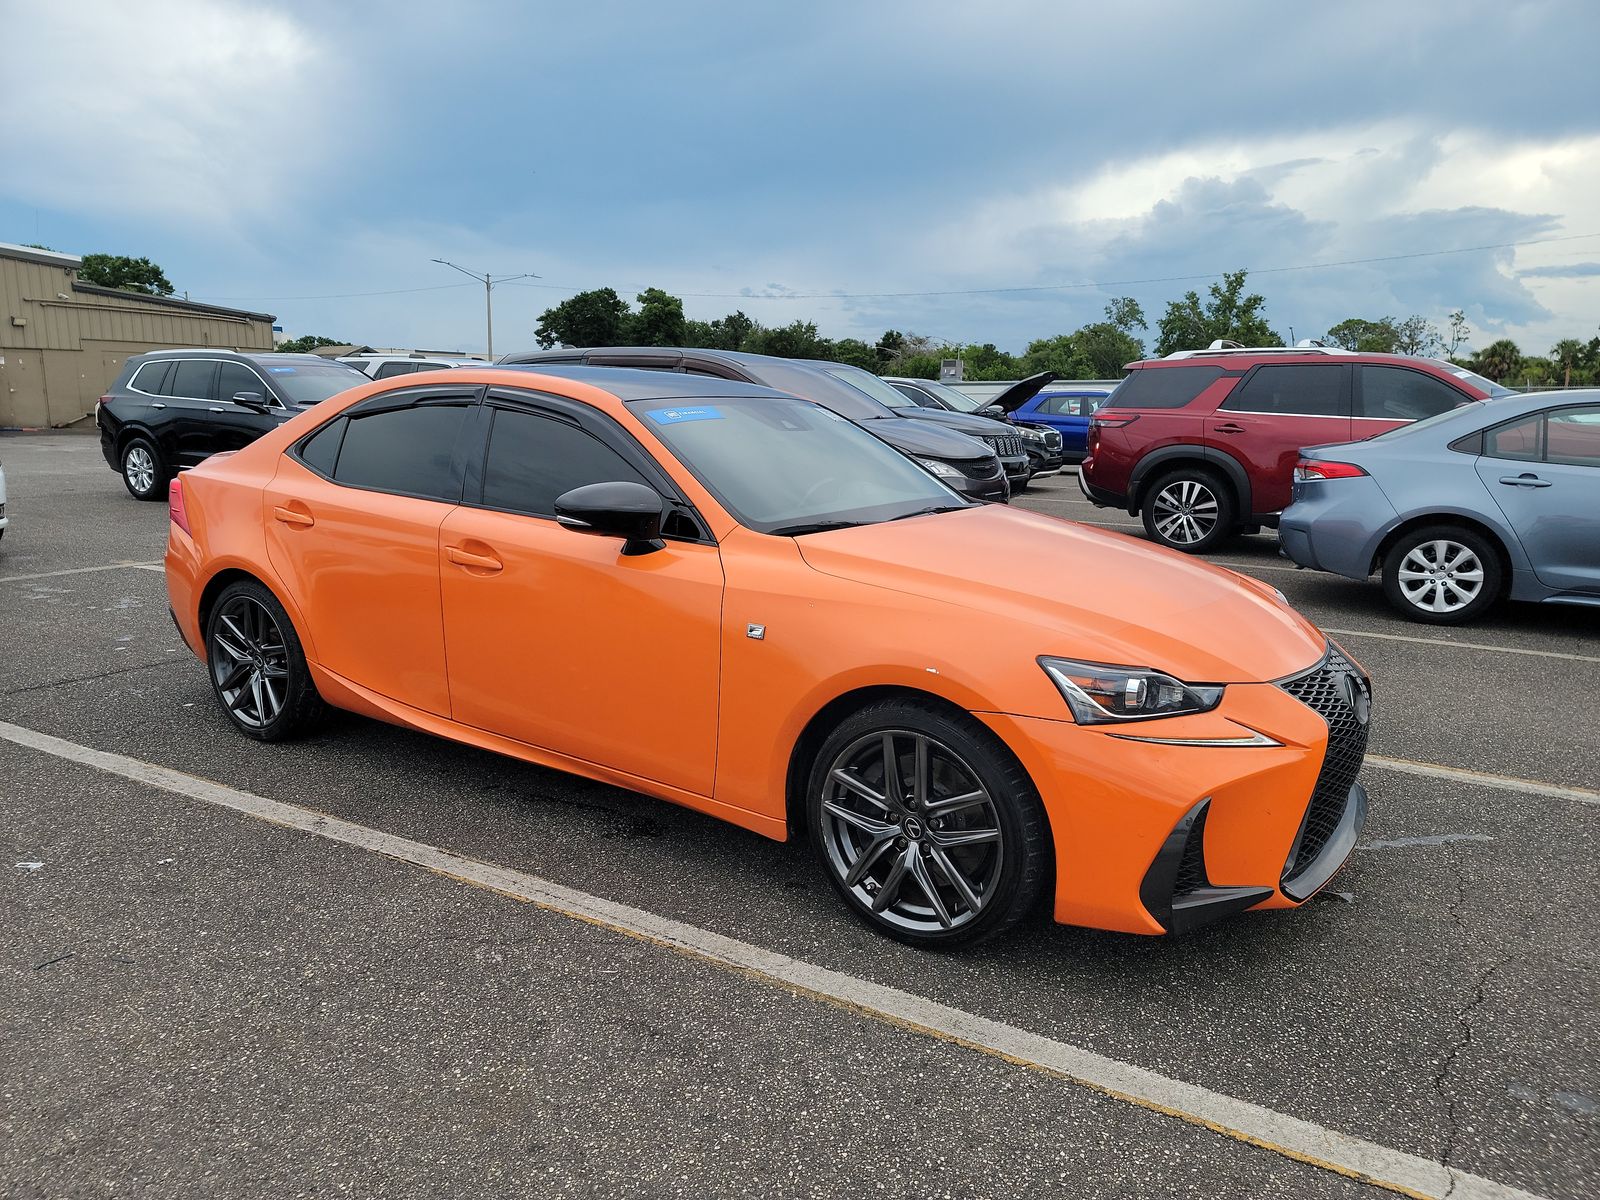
[(1489, 500), (1068, 412)]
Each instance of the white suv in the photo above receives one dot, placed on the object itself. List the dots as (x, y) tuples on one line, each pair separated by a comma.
[(383, 366)]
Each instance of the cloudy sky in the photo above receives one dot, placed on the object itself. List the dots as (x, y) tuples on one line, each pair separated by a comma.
[(845, 162)]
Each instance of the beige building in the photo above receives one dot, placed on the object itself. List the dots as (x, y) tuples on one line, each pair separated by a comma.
[(62, 342)]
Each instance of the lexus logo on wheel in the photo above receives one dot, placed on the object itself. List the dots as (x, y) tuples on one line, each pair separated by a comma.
[(1358, 695)]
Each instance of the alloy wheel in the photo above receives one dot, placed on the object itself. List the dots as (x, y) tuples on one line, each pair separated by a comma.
[(140, 469), (911, 831), (1441, 576), (249, 661), (1186, 511)]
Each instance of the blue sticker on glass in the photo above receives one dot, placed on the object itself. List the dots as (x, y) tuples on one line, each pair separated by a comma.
[(281, 370), (676, 416)]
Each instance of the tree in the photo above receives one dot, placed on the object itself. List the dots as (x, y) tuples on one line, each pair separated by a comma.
[(1125, 314), (1457, 333), (1369, 337), (308, 343), (858, 354), (592, 318), (798, 339), (725, 333), (1498, 360), (124, 273), (1416, 335), (1567, 354), (1189, 325), (659, 321)]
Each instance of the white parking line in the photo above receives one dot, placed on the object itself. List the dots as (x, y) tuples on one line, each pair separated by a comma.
[(1301, 1140), (1482, 779), (1428, 641), (143, 566)]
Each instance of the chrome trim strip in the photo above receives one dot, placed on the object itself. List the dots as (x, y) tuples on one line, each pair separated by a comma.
[(1255, 739)]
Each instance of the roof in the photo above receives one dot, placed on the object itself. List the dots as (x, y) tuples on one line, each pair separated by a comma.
[(627, 384), (52, 258), (177, 302)]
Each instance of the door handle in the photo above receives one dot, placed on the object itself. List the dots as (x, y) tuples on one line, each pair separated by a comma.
[(1230, 427), (218, 408), (1524, 480), (294, 516), (486, 563), (157, 404)]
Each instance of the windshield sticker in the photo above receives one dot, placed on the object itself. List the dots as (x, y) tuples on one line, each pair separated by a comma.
[(282, 370), (677, 416)]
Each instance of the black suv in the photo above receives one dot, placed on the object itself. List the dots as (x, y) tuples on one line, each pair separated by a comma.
[(171, 409), (965, 461)]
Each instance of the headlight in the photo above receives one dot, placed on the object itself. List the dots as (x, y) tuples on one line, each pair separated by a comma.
[(1099, 694), (1032, 435), (942, 469)]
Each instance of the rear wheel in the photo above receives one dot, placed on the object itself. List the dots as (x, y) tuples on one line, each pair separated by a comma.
[(258, 670), (144, 473), (926, 826), (1442, 575), (1189, 509)]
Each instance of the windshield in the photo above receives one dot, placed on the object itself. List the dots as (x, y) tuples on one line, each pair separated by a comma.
[(866, 381), (959, 401), (308, 383), (1476, 380), (783, 465)]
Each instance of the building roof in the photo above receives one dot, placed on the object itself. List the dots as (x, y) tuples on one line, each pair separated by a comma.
[(71, 262), (52, 258)]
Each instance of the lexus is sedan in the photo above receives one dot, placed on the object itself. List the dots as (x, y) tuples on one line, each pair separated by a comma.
[(736, 600)]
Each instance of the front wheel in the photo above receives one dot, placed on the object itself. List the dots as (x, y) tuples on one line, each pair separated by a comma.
[(1442, 575), (1190, 509), (926, 826)]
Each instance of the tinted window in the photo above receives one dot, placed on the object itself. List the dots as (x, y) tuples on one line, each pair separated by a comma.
[(385, 370), (192, 378), (149, 376), (1572, 436), (1396, 394), (1517, 439), (309, 382), (1162, 387), (1305, 390), (405, 450), (321, 450), (233, 378), (534, 459)]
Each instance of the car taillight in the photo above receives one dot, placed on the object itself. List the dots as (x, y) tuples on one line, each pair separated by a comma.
[(1316, 468), (175, 510), (1098, 422)]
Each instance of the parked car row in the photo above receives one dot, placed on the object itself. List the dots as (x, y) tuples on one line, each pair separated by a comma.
[(1458, 491)]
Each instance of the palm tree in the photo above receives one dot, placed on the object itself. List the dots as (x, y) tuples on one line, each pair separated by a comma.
[(1498, 360), (1566, 353)]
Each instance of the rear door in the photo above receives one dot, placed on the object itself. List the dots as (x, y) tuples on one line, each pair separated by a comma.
[(352, 524), (1543, 471), (1277, 409)]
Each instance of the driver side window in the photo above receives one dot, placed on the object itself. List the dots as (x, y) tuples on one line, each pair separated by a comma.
[(533, 459)]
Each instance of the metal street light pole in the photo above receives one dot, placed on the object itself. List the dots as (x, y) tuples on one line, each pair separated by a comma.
[(488, 282)]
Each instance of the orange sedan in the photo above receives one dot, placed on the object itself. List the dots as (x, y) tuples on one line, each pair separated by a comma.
[(736, 600)]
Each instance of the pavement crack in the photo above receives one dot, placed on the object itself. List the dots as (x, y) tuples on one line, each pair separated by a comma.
[(39, 687)]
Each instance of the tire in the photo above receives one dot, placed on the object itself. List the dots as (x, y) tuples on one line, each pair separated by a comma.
[(1191, 509), (144, 473), (994, 849), (1443, 575), (1022, 484), (258, 669)]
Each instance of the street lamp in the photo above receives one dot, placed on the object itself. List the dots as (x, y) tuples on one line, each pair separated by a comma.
[(488, 282)]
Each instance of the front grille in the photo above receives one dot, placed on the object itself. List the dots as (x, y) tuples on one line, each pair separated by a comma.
[(1325, 689), (1006, 445), (981, 468), (1052, 440)]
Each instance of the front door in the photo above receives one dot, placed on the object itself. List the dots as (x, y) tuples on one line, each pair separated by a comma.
[(233, 426), (554, 637), (352, 520), (1276, 411), (1544, 472)]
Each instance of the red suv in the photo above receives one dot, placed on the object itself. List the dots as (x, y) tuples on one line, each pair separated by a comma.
[(1203, 443)]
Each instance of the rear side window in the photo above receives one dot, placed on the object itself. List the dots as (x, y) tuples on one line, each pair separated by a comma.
[(149, 377), (1162, 387), (533, 459), (191, 379), (406, 450), (1292, 389), (1398, 394), (1518, 440), (388, 369), (320, 451)]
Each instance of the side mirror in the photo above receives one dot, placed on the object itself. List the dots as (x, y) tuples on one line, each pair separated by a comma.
[(254, 401), (993, 410), (630, 511)]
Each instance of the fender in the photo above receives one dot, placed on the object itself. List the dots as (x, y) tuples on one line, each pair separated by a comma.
[(1509, 544), (1151, 463)]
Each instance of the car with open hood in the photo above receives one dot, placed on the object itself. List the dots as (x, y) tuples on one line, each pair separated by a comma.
[(737, 600), (1042, 443)]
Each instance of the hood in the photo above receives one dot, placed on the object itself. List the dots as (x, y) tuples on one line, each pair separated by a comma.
[(1092, 594), (927, 438), (968, 423), (1018, 394)]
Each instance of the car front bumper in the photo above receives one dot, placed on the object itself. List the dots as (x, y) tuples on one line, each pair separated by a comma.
[(1126, 815)]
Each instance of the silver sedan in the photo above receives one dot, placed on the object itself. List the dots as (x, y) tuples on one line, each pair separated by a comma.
[(1492, 500)]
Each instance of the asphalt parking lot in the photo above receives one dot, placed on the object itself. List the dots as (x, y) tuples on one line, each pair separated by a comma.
[(198, 997)]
